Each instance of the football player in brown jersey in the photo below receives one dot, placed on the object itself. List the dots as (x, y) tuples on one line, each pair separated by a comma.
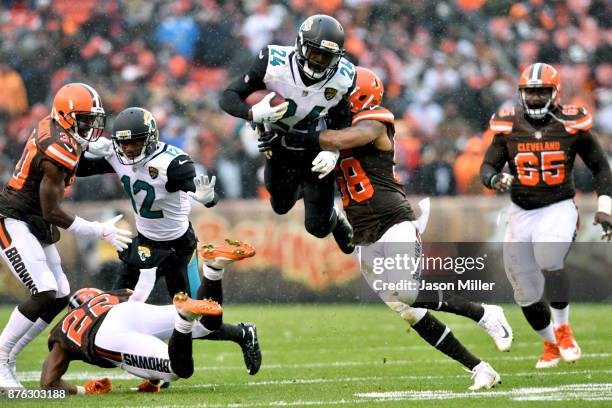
[(107, 330), (384, 225), (31, 212), (539, 139)]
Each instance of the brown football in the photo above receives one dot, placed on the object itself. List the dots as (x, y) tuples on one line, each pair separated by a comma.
[(257, 96)]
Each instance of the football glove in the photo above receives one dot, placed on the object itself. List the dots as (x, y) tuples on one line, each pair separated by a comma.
[(262, 112), (325, 162), (501, 181), (117, 237), (605, 221), (94, 387), (205, 189), (268, 140), (102, 147)]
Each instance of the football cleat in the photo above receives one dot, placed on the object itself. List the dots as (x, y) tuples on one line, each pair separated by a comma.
[(484, 376), (250, 348), (149, 386), (568, 348), (343, 233), (192, 309), (550, 357), (8, 379), (95, 387), (495, 324), (218, 256)]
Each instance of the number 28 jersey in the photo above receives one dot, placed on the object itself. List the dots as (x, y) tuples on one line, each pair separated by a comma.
[(373, 198), (541, 158)]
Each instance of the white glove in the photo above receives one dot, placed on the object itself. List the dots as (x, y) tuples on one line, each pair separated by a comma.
[(205, 189), (102, 147), (325, 162), (502, 181), (117, 237), (262, 112)]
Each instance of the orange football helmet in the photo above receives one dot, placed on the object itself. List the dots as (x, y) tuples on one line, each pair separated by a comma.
[(77, 108), (81, 296), (368, 90), (540, 75)]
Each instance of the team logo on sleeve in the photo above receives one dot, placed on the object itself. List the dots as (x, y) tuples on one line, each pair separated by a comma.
[(330, 93), (153, 172), (144, 253)]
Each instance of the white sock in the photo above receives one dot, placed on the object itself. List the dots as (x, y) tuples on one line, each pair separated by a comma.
[(182, 325), (145, 284), (548, 333), (560, 316), (15, 328), (38, 326), (212, 274)]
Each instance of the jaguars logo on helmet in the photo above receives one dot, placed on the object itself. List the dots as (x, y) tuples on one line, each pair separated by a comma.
[(319, 46), (134, 125)]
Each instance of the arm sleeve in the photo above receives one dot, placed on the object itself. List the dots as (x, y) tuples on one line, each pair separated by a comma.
[(494, 160), (181, 172), (593, 156), (232, 98), (90, 167)]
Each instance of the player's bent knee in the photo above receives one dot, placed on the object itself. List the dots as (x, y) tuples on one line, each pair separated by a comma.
[(183, 370), (318, 229), (281, 208)]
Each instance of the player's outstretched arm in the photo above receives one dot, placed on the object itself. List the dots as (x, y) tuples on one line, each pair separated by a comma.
[(361, 134), (89, 166), (54, 366)]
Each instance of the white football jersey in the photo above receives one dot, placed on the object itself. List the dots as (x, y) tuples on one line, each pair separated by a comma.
[(160, 215), (306, 103)]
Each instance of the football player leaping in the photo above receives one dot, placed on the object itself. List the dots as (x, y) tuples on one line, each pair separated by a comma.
[(539, 139), (385, 226), (31, 212), (159, 179), (315, 80)]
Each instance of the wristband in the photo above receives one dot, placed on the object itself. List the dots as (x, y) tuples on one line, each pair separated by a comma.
[(80, 390), (83, 227), (604, 204)]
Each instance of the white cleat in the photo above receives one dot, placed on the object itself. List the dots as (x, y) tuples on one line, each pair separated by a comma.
[(484, 376), (13, 367), (495, 324), (7, 377)]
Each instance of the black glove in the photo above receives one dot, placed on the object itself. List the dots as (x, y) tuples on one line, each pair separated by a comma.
[(269, 140)]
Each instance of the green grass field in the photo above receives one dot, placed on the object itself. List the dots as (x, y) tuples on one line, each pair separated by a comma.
[(362, 355)]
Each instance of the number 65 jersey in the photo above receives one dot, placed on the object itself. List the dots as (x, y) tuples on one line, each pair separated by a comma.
[(541, 157)]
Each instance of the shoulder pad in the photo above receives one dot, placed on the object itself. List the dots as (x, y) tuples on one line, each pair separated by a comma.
[(57, 145), (502, 120), (575, 118), (375, 113)]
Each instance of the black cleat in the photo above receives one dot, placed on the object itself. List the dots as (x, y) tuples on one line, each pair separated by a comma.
[(250, 348), (343, 233)]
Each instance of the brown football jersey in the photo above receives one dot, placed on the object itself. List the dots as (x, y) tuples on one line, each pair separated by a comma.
[(76, 331), (373, 198), (20, 197), (541, 156)]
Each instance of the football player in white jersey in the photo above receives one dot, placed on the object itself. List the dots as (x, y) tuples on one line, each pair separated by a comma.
[(315, 80), (159, 179)]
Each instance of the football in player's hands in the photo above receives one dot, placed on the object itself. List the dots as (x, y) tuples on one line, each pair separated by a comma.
[(257, 96)]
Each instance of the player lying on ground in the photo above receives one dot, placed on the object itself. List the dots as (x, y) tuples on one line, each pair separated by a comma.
[(114, 330), (159, 179), (314, 78), (31, 211), (109, 330), (539, 139), (384, 225)]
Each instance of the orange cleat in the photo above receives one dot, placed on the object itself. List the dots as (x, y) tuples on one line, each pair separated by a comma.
[(550, 357), (94, 387), (192, 309), (219, 255), (148, 386), (569, 349)]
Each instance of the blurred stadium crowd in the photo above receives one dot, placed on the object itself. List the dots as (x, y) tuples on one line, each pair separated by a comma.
[(447, 66)]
